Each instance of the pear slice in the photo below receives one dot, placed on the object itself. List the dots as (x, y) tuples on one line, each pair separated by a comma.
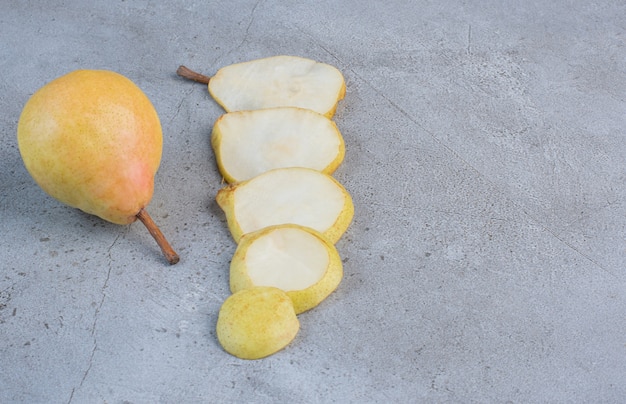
[(296, 259), (295, 195), (275, 82), (257, 322), (248, 143)]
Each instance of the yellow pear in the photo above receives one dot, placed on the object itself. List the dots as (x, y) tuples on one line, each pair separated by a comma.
[(257, 322), (276, 81), (248, 143), (92, 139), (296, 259), (295, 195)]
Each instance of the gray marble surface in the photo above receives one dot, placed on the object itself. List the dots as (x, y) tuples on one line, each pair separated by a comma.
[(486, 156)]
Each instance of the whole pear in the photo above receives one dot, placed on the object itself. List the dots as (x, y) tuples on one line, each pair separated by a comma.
[(93, 140)]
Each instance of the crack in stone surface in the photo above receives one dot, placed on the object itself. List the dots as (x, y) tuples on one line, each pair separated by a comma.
[(96, 317), (180, 104), (246, 32)]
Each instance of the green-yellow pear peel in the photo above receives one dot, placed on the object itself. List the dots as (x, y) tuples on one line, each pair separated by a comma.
[(296, 259), (249, 143), (93, 140), (257, 322), (275, 81), (295, 195)]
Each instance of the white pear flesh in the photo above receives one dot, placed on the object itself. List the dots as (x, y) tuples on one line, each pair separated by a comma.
[(249, 143), (295, 195), (278, 81), (293, 258)]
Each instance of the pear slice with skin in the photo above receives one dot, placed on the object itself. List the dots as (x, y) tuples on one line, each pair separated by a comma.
[(257, 322), (296, 259), (295, 195), (275, 81), (249, 143)]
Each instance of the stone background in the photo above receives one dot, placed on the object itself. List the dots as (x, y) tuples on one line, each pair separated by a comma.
[(486, 156)]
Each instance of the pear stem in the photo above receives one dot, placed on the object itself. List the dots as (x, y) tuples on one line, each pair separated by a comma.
[(168, 251), (187, 73)]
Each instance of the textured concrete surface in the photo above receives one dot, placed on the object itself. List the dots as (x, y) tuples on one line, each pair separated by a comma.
[(486, 156)]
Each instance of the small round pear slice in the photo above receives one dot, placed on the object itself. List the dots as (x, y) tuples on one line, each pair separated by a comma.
[(278, 81), (248, 143), (295, 195), (296, 259), (256, 322)]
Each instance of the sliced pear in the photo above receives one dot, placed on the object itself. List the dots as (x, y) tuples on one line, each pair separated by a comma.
[(249, 143), (296, 259), (295, 195), (278, 81), (257, 322)]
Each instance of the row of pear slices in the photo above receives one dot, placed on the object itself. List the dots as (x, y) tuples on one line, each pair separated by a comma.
[(277, 148), (286, 222)]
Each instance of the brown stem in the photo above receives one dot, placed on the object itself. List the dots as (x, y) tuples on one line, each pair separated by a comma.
[(187, 73), (154, 230)]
